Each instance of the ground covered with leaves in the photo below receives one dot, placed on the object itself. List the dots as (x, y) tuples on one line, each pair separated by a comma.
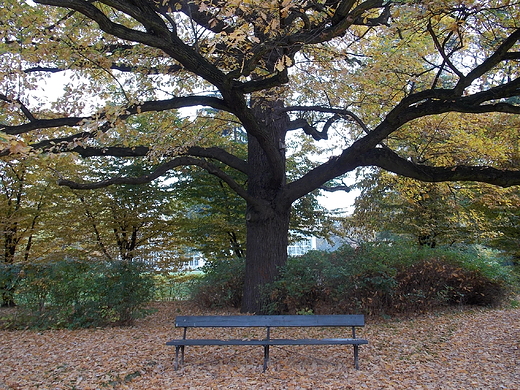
[(464, 349)]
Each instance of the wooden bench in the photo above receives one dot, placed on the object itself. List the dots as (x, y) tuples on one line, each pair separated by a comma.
[(268, 322)]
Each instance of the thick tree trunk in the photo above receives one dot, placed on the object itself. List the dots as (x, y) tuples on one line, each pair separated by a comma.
[(266, 253), (268, 219)]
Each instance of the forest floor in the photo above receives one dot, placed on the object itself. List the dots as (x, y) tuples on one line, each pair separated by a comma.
[(456, 349)]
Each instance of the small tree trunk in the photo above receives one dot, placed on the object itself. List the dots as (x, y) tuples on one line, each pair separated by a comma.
[(8, 290), (7, 298)]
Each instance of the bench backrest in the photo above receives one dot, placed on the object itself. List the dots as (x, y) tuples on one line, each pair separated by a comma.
[(354, 320)]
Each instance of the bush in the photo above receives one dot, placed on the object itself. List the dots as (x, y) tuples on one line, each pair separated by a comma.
[(9, 278), (78, 294), (381, 278), (220, 285), (375, 278)]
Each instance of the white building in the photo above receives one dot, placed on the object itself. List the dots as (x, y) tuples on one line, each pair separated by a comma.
[(301, 247)]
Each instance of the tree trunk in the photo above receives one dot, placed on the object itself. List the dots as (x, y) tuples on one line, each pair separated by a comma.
[(266, 253), (267, 220), (8, 289)]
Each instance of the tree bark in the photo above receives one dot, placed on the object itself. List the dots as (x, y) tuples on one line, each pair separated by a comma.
[(266, 254), (268, 220)]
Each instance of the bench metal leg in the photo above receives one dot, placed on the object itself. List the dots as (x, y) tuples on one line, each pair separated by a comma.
[(176, 363), (266, 356), (356, 356)]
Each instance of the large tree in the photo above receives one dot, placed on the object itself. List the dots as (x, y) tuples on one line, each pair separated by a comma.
[(354, 72)]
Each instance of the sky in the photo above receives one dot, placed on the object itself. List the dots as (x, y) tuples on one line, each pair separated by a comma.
[(339, 200)]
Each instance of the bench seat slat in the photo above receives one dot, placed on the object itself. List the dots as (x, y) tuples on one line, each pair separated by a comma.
[(272, 320), (268, 342)]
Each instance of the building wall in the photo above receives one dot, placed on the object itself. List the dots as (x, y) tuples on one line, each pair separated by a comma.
[(301, 247)]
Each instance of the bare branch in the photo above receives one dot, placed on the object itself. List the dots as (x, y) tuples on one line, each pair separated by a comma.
[(307, 129), (161, 171), (23, 108), (134, 109), (337, 188), (339, 113), (392, 162), (442, 52)]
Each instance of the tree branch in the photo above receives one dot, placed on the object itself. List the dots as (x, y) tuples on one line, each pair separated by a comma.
[(220, 155), (120, 67), (161, 171), (420, 104), (134, 109), (22, 106), (500, 54), (308, 129), (141, 151), (157, 34), (390, 161), (344, 188), (343, 19), (263, 84), (339, 113), (442, 52), (191, 10)]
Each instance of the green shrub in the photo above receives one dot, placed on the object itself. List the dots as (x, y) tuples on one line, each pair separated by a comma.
[(375, 278), (78, 294), (9, 279), (379, 278), (221, 284), (125, 288)]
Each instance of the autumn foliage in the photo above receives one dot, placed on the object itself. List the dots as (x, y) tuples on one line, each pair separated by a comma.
[(356, 84)]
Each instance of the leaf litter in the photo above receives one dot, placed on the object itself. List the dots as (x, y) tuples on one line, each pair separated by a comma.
[(466, 349)]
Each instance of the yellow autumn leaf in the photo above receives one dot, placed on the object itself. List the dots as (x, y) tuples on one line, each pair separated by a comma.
[(18, 147), (282, 63)]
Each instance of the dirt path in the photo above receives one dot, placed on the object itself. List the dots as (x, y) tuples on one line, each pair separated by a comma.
[(477, 349)]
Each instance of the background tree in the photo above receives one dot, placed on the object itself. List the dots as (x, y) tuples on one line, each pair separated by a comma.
[(27, 194), (501, 208), (121, 222), (443, 213), (431, 213), (353, 72), (210, 217), (28, 191)]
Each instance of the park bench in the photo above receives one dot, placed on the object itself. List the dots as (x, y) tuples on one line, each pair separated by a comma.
[(268, 322)]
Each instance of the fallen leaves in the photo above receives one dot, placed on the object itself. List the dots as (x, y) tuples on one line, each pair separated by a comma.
[(463, 350)]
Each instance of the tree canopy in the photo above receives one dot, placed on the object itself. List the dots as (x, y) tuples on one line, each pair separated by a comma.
[(347, 75)]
